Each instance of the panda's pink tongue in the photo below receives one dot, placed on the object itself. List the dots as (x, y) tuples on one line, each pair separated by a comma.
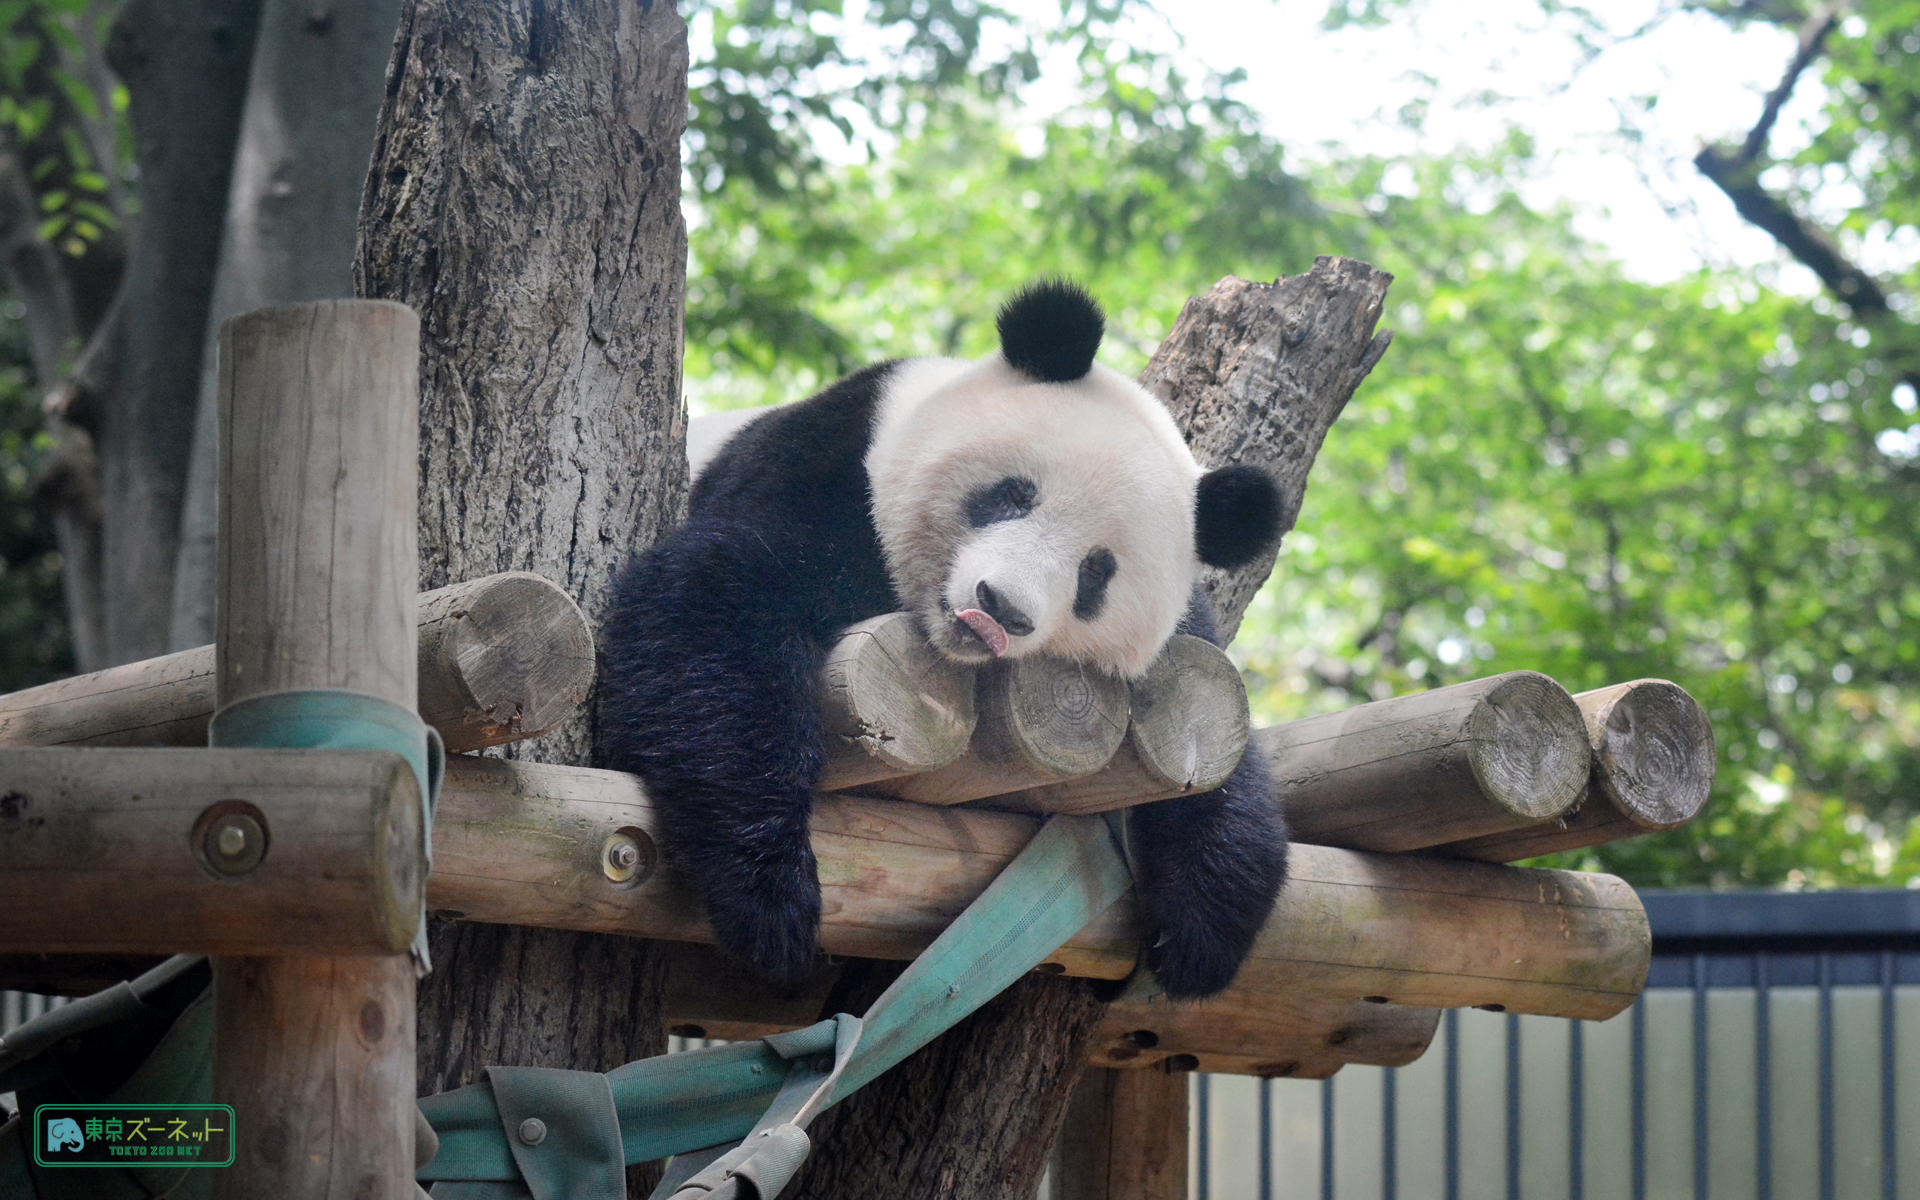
[(986, 628)]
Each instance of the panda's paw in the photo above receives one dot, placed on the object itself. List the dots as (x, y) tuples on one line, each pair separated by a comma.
[(1193, 962), (772, 929)]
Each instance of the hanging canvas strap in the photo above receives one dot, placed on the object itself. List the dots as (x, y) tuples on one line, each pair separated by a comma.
[(734, 1117), (340, 719)]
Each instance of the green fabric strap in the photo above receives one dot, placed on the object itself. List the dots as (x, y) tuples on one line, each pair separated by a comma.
[(338, 719), (704, 1100)]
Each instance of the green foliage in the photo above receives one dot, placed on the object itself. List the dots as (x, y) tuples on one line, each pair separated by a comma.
[(57, 122), (1560, 469), (1154, 182), (33, 632), (1871, 142)]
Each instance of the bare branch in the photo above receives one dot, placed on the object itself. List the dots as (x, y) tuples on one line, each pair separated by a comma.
[(1813, 36), (1737, 173), (1801, 238)]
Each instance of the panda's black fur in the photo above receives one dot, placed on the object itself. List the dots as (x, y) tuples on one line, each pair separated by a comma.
[(713, 640)]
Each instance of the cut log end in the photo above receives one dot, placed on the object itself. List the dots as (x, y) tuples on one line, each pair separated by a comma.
[(1041, 720), (1186, 731), (891, 704), (1653, 751), (1188, 723), (514, 660), (1064, 718), (1529, 751)]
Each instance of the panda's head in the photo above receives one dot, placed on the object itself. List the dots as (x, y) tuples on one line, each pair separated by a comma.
[(1036, 501)]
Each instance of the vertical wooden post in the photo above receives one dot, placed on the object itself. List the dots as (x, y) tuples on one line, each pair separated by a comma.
[(1124, 1137), (318, 450)]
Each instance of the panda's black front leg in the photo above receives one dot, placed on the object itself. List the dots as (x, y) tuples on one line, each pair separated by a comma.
[(709, 699), (1208, 869)]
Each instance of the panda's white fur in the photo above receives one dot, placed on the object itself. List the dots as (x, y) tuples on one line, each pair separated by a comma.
[(1125, 481), (1031, 501)]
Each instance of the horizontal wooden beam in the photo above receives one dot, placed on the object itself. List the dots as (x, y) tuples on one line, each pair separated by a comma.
[(527, 844), (1653, 767), (500, 659), (1484, 757), (234, 852), (1277, 1034)]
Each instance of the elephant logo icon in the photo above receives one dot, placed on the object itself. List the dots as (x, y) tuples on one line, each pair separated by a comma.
[(63, 1133)]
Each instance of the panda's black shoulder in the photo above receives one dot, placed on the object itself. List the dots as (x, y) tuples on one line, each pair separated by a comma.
[(806, 453)]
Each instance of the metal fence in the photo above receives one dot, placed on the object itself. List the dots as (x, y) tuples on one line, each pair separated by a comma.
[(1775, 1056)]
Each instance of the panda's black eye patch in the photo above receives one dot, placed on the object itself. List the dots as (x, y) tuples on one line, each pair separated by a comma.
[(1096, 570), (1008, 500)]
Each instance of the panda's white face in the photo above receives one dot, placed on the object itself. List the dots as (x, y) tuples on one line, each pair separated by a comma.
[(1020, 517)]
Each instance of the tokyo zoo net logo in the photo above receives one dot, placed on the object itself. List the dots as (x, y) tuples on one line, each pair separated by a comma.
[(126, 1135)]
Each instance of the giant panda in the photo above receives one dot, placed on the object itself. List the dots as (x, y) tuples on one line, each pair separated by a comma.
[(1032, 502)]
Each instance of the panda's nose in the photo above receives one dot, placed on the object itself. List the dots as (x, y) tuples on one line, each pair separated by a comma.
[(995, 605)]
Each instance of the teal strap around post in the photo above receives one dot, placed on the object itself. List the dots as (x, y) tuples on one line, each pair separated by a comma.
[(704, 1100), (338, 719)]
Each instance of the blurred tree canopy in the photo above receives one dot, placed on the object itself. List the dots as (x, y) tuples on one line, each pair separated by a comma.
[(1556, 467)]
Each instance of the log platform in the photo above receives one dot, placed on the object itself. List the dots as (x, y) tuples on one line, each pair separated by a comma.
[(1363, 950)]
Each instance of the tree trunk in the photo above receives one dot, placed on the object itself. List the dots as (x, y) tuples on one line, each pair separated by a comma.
[(1254, 373), (291, 219), (525, 198), (185, 68)]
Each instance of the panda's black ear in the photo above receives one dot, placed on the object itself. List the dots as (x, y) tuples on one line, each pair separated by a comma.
[(1239, 515), (1050, 330)]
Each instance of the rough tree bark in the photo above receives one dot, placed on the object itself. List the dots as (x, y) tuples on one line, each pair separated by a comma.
[(525, 198), (292, 217), (1254, 373)]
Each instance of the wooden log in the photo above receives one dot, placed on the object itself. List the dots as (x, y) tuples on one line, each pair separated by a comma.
[(1186, 730), (500, 658), (709, 996), (319, 426), (1041, 720), (1653, 764), (891, 705), (1486, 756), (525, 844), (1124, 1137), (266, 852), (1279, 1034)]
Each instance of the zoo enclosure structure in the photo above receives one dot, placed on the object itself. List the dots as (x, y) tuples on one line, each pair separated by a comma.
[(1404, 809), (1775, 1053)]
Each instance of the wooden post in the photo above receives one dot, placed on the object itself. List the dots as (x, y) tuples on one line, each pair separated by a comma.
[(1653, 764), (318, 451), (1041, 720), (1186, 730), (1486, 756), (501, 658), (1124, 1137)]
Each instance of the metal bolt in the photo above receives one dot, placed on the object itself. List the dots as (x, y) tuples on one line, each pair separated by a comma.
[(233, 839), (233, 843), (533, 1131), (627, 857)]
